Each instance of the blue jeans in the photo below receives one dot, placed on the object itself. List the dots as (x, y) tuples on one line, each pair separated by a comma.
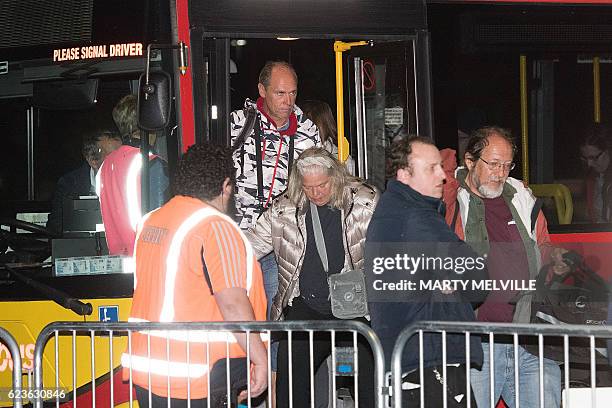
[(528, 374), (269, 269)]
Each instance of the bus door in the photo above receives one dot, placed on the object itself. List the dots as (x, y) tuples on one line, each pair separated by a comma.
[(389, 98)]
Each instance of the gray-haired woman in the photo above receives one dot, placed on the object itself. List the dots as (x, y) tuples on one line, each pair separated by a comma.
[(344, 206)]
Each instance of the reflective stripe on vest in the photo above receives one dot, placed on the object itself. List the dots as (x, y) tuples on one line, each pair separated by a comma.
[(172, 259), (174, 368), (132, 189), (163, 367)]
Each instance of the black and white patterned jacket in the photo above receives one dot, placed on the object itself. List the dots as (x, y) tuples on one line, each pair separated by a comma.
[(306, 136)]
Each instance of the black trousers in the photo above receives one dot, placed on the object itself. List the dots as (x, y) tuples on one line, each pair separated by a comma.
[(218, 388), (433, 383), (300, 360), (142, 395)]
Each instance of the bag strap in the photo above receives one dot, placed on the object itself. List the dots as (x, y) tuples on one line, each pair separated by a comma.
[(251, 115), (258, 161), (291, 152), (535, 211), (455, 215), (318, 233), (249, 123)]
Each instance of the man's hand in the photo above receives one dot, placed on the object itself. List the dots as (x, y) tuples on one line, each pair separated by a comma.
[(235, 306), (259, 381), (559, 267)]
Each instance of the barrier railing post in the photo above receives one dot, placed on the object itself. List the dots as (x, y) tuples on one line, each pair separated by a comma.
[(193, 332), (13, 347), (493, 331)]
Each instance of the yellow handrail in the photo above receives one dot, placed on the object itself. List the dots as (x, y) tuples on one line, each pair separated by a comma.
[(562, 197), (596, 91), (343, 144)]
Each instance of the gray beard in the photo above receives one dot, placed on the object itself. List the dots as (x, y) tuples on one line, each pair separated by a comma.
[(487, 192)]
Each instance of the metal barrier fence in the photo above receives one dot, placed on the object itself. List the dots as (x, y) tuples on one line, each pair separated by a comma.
[(15, 392), (91, 343), (545, 336)]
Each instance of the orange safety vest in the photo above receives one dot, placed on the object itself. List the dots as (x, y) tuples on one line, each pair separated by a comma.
[(170, 286)]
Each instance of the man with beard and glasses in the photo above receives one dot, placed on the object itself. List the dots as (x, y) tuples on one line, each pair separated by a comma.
[(193, 264), (495, 217)]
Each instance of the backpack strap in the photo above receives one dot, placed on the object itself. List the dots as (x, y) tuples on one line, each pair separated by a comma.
[(259, 165), (251, 115), (249, 123), (535, 211), (291, 153)]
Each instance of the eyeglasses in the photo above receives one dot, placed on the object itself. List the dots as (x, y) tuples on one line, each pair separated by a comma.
[(495, 166), (593, 158)]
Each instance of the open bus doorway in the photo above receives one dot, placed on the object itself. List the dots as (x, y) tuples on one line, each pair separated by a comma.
[(380, 88)]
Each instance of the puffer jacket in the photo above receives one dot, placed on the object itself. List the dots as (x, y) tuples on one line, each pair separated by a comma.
[(282, 229)]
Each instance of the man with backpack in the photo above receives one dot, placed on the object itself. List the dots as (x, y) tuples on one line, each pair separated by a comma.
[(267, 135)]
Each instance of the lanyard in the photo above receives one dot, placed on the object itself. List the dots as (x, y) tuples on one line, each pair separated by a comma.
[(318, 233)]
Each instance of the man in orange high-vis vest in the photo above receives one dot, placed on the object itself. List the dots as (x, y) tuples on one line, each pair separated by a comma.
[(194, 264)]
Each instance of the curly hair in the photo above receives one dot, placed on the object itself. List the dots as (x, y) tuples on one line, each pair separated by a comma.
[(266, 72), (125, 115), (398, 156), (202, 170), (479, 139)]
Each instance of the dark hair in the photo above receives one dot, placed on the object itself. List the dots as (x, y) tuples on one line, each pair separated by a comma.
[(321, 115), (90, 149), (124, 115), (479, 139), (597, 135), (266, 72), (202, 170), (398, 156)]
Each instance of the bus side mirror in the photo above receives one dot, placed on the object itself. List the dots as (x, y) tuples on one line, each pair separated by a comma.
[(154, 101)]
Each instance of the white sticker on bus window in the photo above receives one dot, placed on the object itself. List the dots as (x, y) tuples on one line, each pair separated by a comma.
[(394, 116)]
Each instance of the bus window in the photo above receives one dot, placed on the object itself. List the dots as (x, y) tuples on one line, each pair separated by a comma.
[(13, 131), (476, 78)]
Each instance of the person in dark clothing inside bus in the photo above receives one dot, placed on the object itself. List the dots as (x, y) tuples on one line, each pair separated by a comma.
[(409, 221), (81, 181), (595, 155)]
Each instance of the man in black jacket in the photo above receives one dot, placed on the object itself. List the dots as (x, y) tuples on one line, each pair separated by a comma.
[(408, 225)]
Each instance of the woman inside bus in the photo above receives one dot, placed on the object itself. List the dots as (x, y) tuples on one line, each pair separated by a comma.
[(321, 115), (595, 155)]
